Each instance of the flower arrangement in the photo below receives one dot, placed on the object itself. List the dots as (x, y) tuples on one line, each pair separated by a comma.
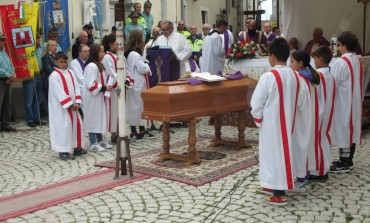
[(242, 50)]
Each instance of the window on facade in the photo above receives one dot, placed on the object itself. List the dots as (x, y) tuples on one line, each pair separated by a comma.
[(204, 16)]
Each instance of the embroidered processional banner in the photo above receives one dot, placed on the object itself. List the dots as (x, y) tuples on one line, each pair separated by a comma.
[(56, 16), (19, 25)]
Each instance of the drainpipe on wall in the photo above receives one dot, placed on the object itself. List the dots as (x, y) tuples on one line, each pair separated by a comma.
[(175, 11), (164, 10), (183, 11)]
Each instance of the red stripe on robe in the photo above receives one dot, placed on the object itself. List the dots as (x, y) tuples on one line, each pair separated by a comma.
[(284, 133), (352, 83)]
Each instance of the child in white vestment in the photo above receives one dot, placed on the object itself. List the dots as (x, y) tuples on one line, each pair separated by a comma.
[(277, 101), (95, 114), (64, 100)]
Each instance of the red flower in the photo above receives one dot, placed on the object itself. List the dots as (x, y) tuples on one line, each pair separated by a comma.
[(228, 53), (238, 54)]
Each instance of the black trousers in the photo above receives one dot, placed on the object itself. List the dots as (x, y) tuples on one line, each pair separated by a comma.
[(4, 103)]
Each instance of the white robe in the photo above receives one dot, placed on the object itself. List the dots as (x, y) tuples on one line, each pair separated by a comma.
[(95, 115), (348, 100), (213, 54), (326, 94), (270, 98), (75, 66), (179, 45), (139, 71), (307, 156), (66, 129), (110, 63)]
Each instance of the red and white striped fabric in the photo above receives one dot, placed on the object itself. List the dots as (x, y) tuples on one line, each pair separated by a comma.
[(346, 123), (66, 129), (277, 102)]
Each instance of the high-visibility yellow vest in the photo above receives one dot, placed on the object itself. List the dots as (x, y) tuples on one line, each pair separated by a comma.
[(197, 45), (140, 20), (185, 33)]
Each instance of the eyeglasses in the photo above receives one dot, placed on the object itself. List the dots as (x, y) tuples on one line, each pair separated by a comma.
[(180, 24), (155, 33)]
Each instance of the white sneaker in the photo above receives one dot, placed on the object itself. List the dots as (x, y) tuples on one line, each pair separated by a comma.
[(96, 148), (105, 145), (299, 187)]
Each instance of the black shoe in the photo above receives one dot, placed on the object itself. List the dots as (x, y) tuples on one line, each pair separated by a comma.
[(8, 129), (113, 139), (314, 178), (347, 161), (135, 136), (146, 135), (152, 127), (79, 151), (66, 156), (32, 124), (339, 167), (38, 123)]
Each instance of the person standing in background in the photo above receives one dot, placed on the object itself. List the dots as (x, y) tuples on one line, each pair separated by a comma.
[(7, 77), (33, 92), (149, 19)]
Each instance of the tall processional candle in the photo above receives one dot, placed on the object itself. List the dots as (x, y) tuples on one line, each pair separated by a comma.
[(121, 78)]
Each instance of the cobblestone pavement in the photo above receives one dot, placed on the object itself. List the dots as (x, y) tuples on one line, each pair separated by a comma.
[(27, 162)]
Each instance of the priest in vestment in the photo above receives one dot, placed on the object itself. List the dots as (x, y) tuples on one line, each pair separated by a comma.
[(254, 35), (177, 42), (213, 55), (317, 41)]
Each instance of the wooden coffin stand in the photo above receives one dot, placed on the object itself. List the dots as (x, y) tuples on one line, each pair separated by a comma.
[(179, 101)]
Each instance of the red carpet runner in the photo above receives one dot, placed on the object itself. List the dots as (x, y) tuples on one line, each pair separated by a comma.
[(31, 201)]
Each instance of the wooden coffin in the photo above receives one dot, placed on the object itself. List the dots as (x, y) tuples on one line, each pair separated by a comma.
[(179, 101)]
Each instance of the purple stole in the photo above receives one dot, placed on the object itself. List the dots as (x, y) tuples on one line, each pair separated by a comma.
[(271, 37), (193, 66), (226, 40), (82, 64)]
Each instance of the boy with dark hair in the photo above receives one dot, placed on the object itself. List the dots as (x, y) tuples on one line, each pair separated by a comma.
[(64, 101), (326, 94), (278, 92), (346, 130)]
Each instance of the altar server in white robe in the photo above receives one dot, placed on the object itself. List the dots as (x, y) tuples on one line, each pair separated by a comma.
[(346, 127), (306, 157), (95, 119), (177, 42), (326, 94), (213, 54), (64, 99), (278, 97), (110, 63), (139, 71), (78, 65)]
